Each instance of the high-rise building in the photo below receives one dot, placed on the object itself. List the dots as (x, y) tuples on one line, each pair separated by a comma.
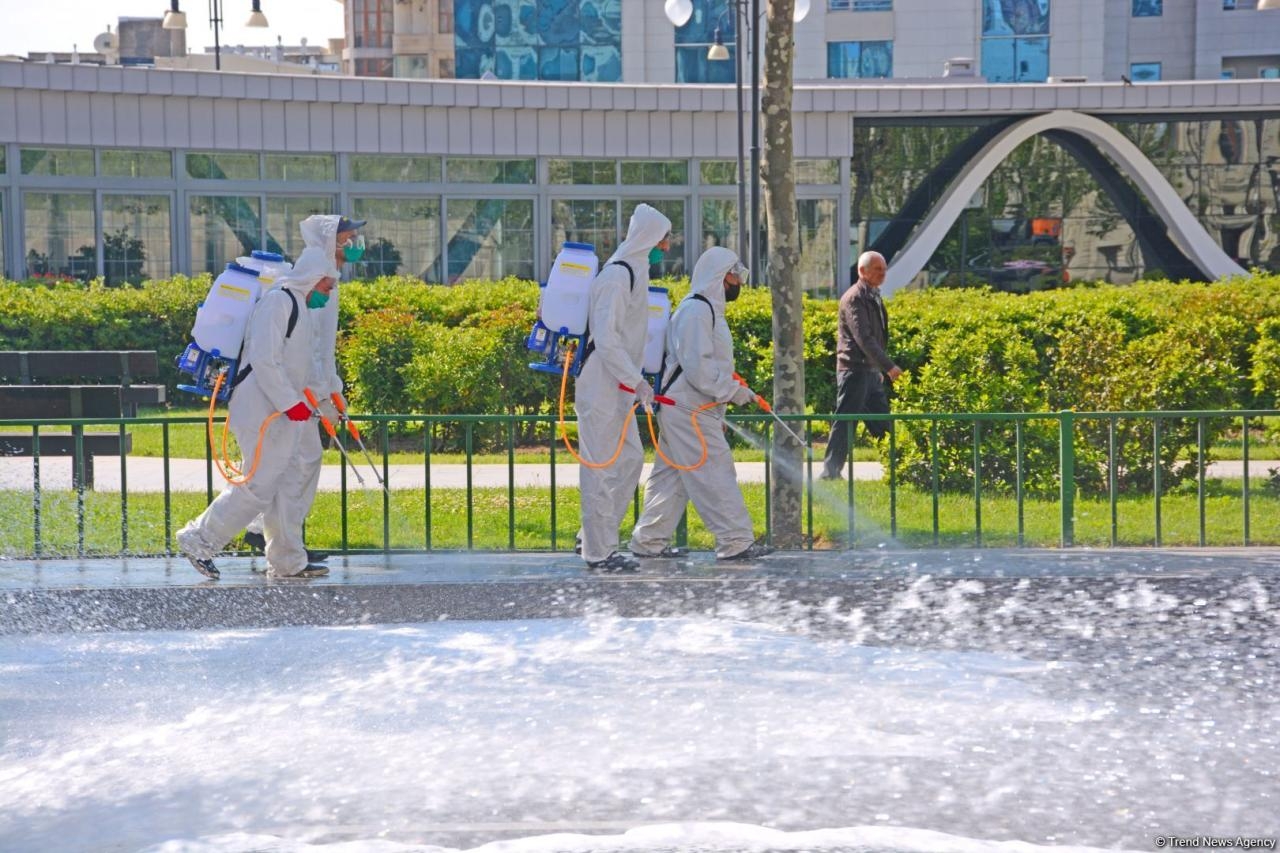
[(631, 41)]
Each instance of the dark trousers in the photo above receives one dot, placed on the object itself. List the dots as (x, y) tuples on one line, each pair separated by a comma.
[(857, 392)]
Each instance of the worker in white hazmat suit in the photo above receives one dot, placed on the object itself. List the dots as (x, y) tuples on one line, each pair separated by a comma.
[(617, 324), (278, 365), (334, 235), (699, 371)]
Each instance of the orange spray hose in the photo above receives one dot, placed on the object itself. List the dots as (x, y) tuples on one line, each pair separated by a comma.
[(229, 471), (564, 430)]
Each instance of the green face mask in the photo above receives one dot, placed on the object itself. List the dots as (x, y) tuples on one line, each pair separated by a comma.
[(354, 250), (316, 299), (656, 255)]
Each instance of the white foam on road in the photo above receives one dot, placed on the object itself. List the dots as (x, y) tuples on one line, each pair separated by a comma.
[(697, 733)]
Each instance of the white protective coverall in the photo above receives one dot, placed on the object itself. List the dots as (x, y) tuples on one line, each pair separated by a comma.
[(284, 483), (699, 343), (619, 319), (320, 231)]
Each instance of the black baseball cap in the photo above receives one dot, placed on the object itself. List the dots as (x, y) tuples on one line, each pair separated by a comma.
[(345, 224)]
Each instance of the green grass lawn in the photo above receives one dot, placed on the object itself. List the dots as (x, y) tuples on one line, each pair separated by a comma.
[(445, 520)]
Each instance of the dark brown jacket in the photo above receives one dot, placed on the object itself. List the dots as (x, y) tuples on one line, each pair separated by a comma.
[(863, 334)]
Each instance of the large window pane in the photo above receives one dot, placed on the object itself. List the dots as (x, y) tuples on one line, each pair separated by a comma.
[(693, 66), (61, 162), (1033, 60), (669, 173), (467, 170), (843, 59), (1148, 8), (4, 270), (137, 164), (301, 167), (818, 245), (223, 227), (673, 263), (402, 237), (585, 221), (718, 172), (490, 239), (135, 238), (583, 171), (1144, 72), (817, 171), (876, 60), (60, 235), (712, 22), (373, 168), (285, 215), (1015, 17), (4, 166), (998, 63), (1015, 60), (720, 224), (219, 166)]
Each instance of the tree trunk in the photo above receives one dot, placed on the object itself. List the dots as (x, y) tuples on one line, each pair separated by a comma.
[(787, 485)]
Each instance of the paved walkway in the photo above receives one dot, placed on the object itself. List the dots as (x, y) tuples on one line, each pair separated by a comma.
[(146, 474)]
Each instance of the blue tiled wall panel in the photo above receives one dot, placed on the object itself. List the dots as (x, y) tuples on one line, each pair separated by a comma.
[(539, 39)]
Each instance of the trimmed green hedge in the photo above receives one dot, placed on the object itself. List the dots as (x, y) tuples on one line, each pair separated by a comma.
[(415, 348)]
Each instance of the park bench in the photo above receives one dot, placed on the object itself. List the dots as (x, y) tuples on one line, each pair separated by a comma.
[(114, 395)]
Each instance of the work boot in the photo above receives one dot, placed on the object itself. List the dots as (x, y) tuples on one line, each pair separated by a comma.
[(751, 552), (257, 543), (615, 563), (309, 571), (204, 567), (670, 552)]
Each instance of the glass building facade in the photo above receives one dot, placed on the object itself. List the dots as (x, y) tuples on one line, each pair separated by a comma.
[(538, 39), (1042, 218), (442, 219)]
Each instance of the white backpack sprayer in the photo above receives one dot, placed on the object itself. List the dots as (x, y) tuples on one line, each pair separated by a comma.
[(213, 358), (560, 336), (221, 320)]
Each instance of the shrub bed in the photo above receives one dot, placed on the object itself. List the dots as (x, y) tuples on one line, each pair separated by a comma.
[(414, 348)]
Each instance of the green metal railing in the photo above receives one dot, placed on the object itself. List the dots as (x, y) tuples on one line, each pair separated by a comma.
[(947, 479)]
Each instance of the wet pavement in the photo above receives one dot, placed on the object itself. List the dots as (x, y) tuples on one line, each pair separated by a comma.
[(947, 589)]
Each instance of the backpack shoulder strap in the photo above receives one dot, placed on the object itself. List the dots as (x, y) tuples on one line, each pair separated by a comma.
[(675, 374), (707, 302), (590, 345), (630, 272), (293, 313), (243, 374)]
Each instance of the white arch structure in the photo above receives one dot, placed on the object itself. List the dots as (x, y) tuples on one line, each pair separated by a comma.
[(1186, 230)]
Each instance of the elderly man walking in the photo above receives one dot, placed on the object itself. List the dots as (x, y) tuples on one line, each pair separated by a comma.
[(862, 361)]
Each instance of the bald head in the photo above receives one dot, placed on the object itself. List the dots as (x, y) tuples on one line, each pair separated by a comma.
[(872, 268)]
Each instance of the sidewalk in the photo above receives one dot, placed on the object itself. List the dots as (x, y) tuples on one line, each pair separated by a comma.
[(146, 474)]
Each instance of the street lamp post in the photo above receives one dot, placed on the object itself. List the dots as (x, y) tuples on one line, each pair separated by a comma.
[(747, 15), (719, 53), (176, 19)]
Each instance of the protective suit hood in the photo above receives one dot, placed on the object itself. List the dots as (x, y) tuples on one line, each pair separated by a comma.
[(320, 231), (708, 275), (311, 266), (647, 228)]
